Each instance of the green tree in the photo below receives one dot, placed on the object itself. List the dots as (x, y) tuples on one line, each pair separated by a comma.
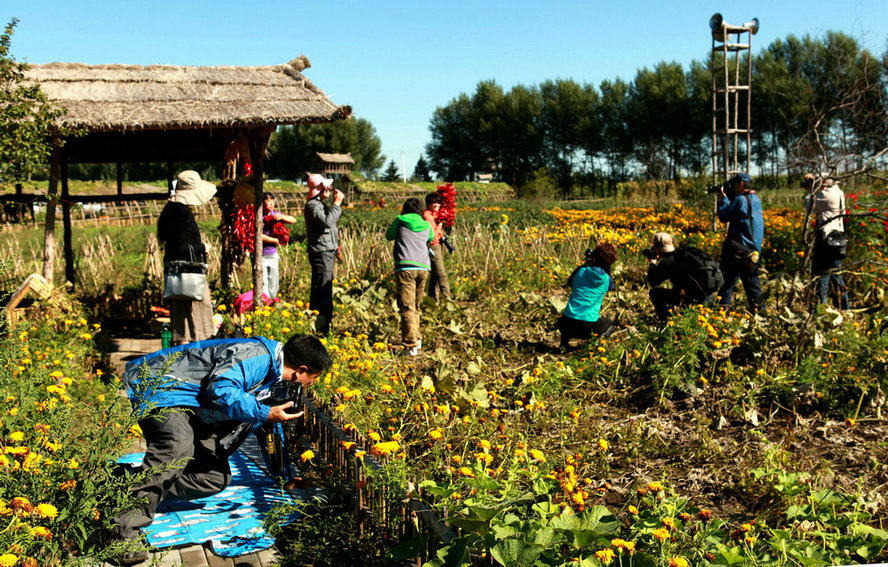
[(293, 148), (391, 172), (456, 151), (421, 170), (27, 130)]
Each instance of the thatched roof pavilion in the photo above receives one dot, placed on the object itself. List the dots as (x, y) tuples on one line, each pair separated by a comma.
[(170, 113), (165, 113)]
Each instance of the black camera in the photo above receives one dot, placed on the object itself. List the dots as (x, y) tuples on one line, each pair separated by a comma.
[(649, 253), (713, 189), (807, 183), (446, 242), (284, 391)]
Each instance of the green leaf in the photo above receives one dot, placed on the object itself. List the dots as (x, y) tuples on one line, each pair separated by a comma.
[(454, 554), (409, 549), (515, 552), (505, 532)]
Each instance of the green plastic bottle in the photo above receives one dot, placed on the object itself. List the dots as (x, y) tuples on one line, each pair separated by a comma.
[(166, 336)]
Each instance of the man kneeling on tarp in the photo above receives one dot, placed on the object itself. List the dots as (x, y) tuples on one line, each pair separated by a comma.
[(221, 391)]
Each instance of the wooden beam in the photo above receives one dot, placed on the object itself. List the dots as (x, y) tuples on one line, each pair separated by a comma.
[(258, 142), (66, 226), (119, 178), (52, 197)]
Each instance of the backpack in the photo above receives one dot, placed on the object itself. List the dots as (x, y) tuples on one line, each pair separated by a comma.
[(703, 271)]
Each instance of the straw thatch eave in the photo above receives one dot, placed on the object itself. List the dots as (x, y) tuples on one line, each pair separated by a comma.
[(120, 98)]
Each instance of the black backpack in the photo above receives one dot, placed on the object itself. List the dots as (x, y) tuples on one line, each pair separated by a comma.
[(702, 270)]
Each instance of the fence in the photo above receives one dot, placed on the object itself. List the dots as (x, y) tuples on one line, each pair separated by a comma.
[(380, 501)]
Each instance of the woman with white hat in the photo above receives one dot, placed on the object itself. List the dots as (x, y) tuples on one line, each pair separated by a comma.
[(177, 231), (322, 233)]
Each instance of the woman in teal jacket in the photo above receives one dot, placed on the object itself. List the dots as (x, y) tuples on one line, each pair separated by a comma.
[(588, 283)]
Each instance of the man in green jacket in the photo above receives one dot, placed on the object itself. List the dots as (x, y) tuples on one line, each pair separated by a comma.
[(412, 235)]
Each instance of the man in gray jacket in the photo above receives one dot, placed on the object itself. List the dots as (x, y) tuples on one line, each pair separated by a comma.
[(323, 241)]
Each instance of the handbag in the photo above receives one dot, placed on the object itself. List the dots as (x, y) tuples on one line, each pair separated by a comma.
[(185, 280), (837, 242)]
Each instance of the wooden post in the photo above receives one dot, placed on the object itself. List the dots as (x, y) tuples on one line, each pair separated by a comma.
[(119, 179), (66, 225), (258, 142), (52, 195)]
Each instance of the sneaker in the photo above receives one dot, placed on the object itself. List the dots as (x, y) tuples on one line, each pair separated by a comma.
[(418, 344), (410, 351)]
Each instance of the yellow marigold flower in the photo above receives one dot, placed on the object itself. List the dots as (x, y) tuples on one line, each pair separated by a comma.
[(101, 397), (655, 486), (485, 444), (385, 448), (73, 464), (348, 445), (222, 307), (47, 511), (136, 430), (307, 455), (668, 523), (68, 485), (678, 561), (436, 433), (375, 436), (456, 495), (661, 534), (57, 374), (746, 527), (16, 436), (537, 455), (602, 445), (41, 532), (248, 330), (466, 471), (850, 422), (605, 555), (86, 336), (8, 559)]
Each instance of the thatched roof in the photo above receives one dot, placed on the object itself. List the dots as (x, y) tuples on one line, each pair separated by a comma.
[(106, 98), (335, 158)]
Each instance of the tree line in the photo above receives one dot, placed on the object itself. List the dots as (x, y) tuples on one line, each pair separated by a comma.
[(817, 103)]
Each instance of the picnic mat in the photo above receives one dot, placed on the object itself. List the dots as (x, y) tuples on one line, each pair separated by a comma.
[(231, 520)]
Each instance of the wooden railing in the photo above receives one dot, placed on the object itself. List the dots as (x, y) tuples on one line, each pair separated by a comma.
[(380, 500)]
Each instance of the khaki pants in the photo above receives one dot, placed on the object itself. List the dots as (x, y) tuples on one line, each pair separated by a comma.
[(410, 288), (439, 285)]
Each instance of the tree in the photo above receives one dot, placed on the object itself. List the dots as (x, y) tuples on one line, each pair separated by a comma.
[(293, 148), (421, 170), (27, 131), (391, 172)]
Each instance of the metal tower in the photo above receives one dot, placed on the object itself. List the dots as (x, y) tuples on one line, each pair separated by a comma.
[(731, 96)]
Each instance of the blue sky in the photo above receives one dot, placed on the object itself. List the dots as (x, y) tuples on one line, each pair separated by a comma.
[(395, 62)]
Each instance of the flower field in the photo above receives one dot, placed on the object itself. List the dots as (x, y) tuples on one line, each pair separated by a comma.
[(712, 439)]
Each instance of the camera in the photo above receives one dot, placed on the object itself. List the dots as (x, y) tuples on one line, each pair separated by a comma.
[(807, 183), (282, 392), (713, 189), (449, 245), (649, 253)]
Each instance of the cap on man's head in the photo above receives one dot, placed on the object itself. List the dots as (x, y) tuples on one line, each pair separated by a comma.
[(663, 242), (317, 183), (744, 177)]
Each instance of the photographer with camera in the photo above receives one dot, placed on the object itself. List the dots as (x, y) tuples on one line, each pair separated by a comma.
[(439, 285), (588, 282), (826, 201), (695, 275), (741, 209), (198, 406)]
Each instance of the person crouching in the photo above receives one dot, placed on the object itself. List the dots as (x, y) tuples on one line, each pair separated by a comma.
[(588, 282)]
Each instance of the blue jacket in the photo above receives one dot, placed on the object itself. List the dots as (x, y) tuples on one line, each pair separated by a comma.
[(746, 227), (220, 378), (588, 286)]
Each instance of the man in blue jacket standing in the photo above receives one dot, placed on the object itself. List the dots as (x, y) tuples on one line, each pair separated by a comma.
[(741, 209), (194, 399)]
